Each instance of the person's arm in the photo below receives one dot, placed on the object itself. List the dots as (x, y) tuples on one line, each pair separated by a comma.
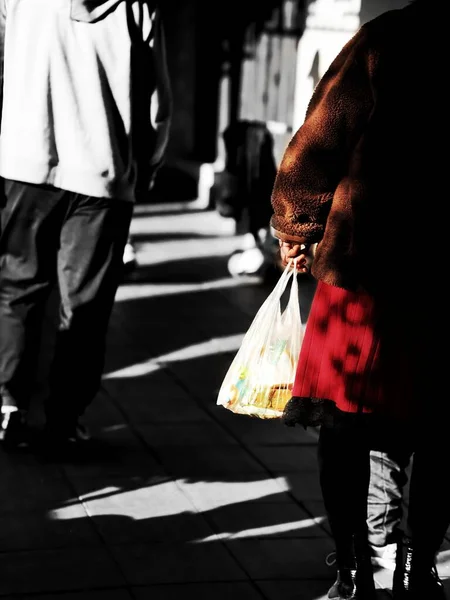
[(317, 156), (161, 102)]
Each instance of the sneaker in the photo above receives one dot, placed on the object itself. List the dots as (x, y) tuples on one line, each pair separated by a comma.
[(245, 262), (384, 556)]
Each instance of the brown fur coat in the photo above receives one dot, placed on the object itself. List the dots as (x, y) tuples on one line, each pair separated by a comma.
[(357, 176)]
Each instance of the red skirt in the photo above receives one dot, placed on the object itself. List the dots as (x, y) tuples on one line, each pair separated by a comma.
[(353, 358)]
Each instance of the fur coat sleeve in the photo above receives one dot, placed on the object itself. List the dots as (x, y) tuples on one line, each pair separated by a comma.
[(316, 160)]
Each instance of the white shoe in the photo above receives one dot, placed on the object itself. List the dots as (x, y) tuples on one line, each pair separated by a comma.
[(129, 254), (245, 262), (384, 556)]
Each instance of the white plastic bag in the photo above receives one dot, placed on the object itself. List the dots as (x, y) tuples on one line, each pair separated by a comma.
[(261, 376)]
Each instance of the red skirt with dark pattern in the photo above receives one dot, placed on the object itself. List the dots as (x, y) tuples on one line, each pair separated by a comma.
[(354, 358)]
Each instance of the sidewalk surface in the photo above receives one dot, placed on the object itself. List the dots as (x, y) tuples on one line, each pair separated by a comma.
[(181, 498)]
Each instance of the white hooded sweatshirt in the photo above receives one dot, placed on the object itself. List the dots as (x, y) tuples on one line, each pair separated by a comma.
[(75, 73)]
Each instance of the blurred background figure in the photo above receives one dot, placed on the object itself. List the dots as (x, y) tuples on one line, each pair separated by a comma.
[(243, 190)]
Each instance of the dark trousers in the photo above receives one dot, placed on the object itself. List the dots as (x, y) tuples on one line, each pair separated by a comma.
[(54, 237), (344, 463)]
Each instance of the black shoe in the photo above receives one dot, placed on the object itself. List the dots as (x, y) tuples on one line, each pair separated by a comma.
[(344, 586), (416, 576), (355, 572), (352, 584), (78, 434), (64, 434), (14, 431)]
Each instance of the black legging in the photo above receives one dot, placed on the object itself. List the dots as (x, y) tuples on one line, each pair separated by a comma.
[(344, 463)]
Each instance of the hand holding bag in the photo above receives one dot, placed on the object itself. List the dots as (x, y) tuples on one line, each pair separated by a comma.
[(261, 376)]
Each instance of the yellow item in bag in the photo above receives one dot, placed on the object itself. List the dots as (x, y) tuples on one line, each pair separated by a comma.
[(261, 376)]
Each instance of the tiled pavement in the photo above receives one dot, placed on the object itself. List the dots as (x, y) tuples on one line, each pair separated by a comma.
[(181, 497)]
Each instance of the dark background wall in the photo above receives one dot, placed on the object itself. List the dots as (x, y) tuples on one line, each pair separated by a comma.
[(206, 42)]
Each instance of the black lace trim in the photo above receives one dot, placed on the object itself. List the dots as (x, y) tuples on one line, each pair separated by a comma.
[(309, 412)]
